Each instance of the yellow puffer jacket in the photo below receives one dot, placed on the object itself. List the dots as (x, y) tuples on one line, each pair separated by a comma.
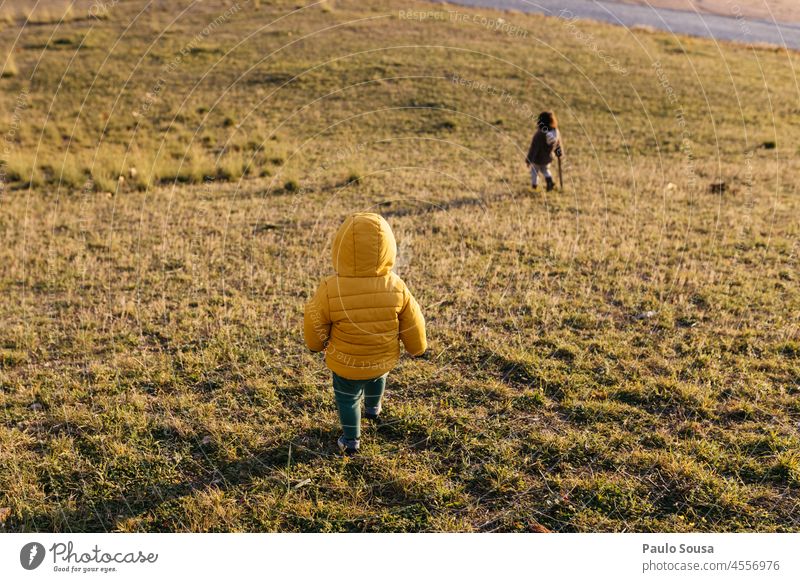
[(359, 315)]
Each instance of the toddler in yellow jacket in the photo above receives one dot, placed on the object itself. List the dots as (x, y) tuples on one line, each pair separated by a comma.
[(359, 316)]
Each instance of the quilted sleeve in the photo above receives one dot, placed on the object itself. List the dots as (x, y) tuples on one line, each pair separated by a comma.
[(412, 326), (317, 320)]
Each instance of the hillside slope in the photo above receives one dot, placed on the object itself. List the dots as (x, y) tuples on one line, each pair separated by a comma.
[(623, 355)]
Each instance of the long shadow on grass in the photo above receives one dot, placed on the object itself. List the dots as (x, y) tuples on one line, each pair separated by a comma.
[(424, 207), (159, 502)]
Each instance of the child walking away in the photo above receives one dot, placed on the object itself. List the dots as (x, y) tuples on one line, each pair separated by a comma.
[(359, 316), (546, 140)]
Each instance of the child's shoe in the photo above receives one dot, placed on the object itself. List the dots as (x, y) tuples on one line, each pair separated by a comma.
[(534, 187), (348, 447), (550, 184), (372, 412)]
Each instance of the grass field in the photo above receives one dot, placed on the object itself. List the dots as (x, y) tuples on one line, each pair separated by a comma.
[(620, 356)]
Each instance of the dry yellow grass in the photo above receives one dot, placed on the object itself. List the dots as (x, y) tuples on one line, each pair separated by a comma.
[(10, 68), (622, 355)]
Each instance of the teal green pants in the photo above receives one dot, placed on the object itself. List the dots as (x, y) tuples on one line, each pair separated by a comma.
[(348, 394)]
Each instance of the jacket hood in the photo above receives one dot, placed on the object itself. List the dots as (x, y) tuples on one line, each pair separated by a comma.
[(364, 246)]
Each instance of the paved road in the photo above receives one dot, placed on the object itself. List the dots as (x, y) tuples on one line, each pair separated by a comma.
[(677, 21)]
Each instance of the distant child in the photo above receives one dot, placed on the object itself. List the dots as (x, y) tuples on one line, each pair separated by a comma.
[(546, 140), (359, 316)]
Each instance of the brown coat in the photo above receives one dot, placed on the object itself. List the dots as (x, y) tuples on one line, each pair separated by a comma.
[(541, 152)]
